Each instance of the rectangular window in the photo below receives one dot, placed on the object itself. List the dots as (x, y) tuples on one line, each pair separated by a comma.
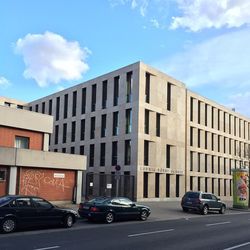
[(219, 119), (167, 185), (21, 107), (82, 129), (129, 86), (218, 164), (218, 143), (213, 185), (103, 125), (212, 118), (199, 183), (206, 106), (206, 133), (177, 186), (91, 155), (116, 91), (115, 123), (191, 109), (169, 87), (212, 163), (199, 138), (43, 107), (73, 131), (225, 145), (199, 112), (235, 121), (206, 184), (102, 153), (191, 136), (65, 113), (128, 121), (93, 98), (146, 122), (145, 185), (230, 127), (114, 153), (199, 162), (212, 143), (157, 185), (64, 133), (205, 163), (2, 175), (224, 121), (146, 153), (92, 128), (191, 183), (50, 107), (191, 160), (147, 88), (72, 150), (56, 133), (83, 100), (168, 156), (22, 142), (57, 108), (104, 94), (218, 187), (158, 125), (127, 159), (82, 150), (30, 108), (36, 107)]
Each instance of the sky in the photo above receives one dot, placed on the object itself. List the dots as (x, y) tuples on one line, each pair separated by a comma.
[(50, 45)]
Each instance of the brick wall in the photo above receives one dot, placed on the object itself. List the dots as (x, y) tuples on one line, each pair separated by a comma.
[(4, 183), (7, 137), (43, 183)]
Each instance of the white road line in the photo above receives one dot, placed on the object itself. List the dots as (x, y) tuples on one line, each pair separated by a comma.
[(47, 248), (219, 223), (154, 232), (238, 246)]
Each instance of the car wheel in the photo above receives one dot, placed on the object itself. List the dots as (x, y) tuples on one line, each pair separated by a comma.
[(68, 221), (109, 217), (144, 215), (204, 210), (8, 225), (185, 209), (222, 210)]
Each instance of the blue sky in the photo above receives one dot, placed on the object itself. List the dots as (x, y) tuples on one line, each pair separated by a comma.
[(47, 45)]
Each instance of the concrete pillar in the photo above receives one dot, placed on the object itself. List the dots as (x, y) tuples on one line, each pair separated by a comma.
[(162, 186), (151, 185), (12, 180), (46, 142), (172, 179), (78, 187)]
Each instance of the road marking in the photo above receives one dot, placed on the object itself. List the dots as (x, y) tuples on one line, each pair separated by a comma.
[(238, 246), (154, 232), (219, 223), (47, 248)]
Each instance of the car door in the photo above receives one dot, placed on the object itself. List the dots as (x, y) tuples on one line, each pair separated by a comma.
[(46, 213), (215, 202), (130, 210), (116, 207)]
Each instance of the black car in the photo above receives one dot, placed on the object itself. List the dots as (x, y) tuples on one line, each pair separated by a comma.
[(111, 209), (202, 202), (26, 211)]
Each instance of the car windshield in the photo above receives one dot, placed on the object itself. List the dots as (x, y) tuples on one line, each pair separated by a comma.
[(3, 200), (99, 200), (193, 195)]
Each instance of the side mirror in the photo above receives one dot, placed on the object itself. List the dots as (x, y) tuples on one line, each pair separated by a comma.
[(218, 199), (133, 205)]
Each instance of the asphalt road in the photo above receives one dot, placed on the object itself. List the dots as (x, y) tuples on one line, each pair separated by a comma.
[(211, 232)]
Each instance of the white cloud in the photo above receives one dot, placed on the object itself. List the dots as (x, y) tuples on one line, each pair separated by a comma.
[(155, 23), (50, 58), (4, 83), (200, 14), (223, 59)]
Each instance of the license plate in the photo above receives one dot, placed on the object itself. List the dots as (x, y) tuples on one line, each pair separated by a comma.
[(85, 207)]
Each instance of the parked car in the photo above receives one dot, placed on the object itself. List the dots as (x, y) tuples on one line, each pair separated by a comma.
[(26, 211), (202, 202), (111, 209)]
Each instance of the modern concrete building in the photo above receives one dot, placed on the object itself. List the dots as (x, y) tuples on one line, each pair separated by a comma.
[(26, 166), (165, 138)]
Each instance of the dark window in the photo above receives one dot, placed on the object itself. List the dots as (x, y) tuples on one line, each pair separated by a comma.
[(114, 153), (104, 94), (103, 152), (127, 160), (91, 155), (115, 123), (129, 86), (30, 108), (83, 100), (212, 185), (224, 122), (145, 185), (93, 98), (116, 91), (64, 133), (177, 186), (22, 142), (212, 163), (225, 187), (157, 185), (146, 122), (36, 107), (206, 114), (56, 134), (191, 160), (205, 163), (199, 183), (63, 150), (191, 182), (74, 103), (43, 107), (191, 108), (206, 184), (50, 107), (73, 131), (169, 96), (206, 139), (218, 187), (57, 108), (218, 119), (82, 129), (65, 113), (128, 121), (147, 88), (167, 185), (191, 136), (199, 162), (168, 156), (146, 153), (82, 150), (72, 150), (199, 112), (92, 128), (2, 175), (212, 114), (199, 138), (103, 125), (158, 124), (218, 165)]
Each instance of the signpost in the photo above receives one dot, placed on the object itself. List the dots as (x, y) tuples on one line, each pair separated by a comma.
[(117, 177)]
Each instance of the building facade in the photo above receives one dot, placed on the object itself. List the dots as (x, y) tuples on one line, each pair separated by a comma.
[(26, 166), (163, 138)]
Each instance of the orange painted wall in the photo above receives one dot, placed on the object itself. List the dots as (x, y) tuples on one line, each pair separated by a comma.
[(7, 137), (41, 182), (4, 184)]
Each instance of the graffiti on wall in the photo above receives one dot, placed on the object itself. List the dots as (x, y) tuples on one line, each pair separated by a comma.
[(33, 180)]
